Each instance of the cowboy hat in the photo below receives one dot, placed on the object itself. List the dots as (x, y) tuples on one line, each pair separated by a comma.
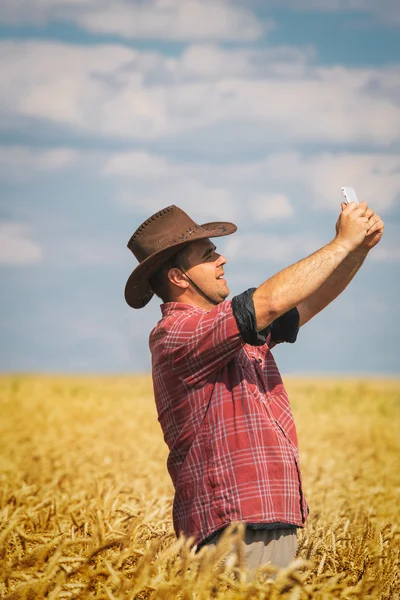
[(157, 240)]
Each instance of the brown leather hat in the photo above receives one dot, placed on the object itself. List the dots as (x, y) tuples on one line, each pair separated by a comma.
[(159, 238)]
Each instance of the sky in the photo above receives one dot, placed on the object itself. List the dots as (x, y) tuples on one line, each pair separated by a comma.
[(255, 112)]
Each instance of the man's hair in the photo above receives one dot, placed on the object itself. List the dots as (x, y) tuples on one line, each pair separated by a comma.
[(159, 282)]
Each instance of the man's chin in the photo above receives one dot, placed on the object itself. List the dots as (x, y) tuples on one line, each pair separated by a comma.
[(225, 293)]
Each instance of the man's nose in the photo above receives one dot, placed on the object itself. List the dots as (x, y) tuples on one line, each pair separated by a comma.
[(221, 260)]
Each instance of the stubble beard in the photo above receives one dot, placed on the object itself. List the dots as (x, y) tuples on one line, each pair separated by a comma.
[(224, 293)]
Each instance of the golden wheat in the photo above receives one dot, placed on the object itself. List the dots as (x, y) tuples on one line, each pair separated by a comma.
[(85, 497)]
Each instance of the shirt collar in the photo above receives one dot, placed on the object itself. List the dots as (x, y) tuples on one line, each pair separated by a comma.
[(169, 307)]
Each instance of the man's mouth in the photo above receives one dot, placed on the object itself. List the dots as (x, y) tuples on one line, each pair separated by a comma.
[(221, 276)]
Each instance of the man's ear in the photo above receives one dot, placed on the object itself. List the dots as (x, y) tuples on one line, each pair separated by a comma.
[(178, 278)]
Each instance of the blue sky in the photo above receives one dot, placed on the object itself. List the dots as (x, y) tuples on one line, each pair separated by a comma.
[(256, 112)]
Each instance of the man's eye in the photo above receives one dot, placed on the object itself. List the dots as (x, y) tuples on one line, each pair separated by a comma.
[(209, 254)]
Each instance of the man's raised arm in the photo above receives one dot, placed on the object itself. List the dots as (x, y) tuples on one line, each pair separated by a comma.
[(291, 286), (345, 272), (332, 287)]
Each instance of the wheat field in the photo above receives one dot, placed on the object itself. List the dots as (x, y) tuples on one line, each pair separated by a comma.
[(86, 500)]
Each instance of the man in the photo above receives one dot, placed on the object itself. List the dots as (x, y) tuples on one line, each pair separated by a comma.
[(221, 402)]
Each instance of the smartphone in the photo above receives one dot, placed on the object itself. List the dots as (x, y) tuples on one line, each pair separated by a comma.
[(349, 195)]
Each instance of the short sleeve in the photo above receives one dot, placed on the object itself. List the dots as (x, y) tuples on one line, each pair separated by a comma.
[(283, 329), (201, 343), (243, 310)]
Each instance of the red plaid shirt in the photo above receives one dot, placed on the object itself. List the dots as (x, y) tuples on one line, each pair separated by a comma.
[(227, 422)]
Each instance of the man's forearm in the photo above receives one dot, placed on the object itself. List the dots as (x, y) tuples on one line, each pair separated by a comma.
[(332, 287), (296, 283)]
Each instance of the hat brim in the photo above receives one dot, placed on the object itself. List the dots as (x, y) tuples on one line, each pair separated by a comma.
[(137, 289)]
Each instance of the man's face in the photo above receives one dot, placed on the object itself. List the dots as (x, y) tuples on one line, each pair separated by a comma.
[(206, 269)]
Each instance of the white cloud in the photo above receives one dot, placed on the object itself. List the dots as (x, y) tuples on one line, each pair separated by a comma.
[(113, 91), (156, 19), (290, 248), (16, 247), (211, 62), (375, 177), (137, 165), (388, 249), (20, 162), (152, 182), (276, 187), (71, 251), (57, 82), (272, 187), (386, 254), (328, 104), (209, 201), (274, 248), (272, 206), (248, 194)]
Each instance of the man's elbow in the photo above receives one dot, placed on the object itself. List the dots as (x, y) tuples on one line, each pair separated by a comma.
[(305, 314)]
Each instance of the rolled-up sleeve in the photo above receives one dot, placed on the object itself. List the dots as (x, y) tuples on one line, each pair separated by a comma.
[(200, 344), (283, 329), (286, 327)]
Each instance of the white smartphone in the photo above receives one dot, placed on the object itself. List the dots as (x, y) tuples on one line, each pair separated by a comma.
[(349, 195)]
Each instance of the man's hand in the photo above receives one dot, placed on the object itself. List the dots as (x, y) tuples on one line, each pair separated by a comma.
[(352, 225), (375, 227), (374, 233)]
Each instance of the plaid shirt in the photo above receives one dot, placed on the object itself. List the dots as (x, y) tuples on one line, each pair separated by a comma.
[(226, 419)]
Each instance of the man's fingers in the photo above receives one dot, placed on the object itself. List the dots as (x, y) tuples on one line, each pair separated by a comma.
[(351, 206), (357, 210), (378, 226), (369, 213), (374, 219), (363, 210)]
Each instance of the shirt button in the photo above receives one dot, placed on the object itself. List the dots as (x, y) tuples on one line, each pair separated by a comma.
[(259, 360)]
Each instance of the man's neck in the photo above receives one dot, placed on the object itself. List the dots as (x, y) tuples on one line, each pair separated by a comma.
[(197, 300)]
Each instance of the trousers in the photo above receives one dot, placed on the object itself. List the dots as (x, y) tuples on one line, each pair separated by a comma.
[(261, 546)]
